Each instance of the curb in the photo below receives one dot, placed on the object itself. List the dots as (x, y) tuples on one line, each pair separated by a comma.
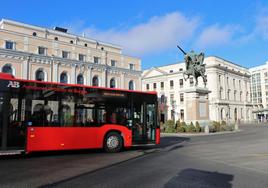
[(198, 134)]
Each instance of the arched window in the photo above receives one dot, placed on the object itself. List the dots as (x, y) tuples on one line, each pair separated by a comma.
[(95, 81), (80, 79), (40, 75), (64, 78), (131, 85), (112, 83), (7, 68)]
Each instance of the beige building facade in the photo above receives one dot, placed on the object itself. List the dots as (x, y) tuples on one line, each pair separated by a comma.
[(229, 99), (36, 53)]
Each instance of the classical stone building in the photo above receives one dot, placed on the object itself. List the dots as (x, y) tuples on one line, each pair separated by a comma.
[(36, 53), (229, 84)]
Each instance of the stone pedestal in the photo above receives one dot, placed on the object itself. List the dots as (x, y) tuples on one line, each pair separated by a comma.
[(197, 105)]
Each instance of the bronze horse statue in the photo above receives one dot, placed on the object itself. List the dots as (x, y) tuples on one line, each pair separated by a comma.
[(194, 66)]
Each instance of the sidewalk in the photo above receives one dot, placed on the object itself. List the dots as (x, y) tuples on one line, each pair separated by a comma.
[(198, 134)]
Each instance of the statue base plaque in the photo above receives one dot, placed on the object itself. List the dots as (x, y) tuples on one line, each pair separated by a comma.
[(197, 105)]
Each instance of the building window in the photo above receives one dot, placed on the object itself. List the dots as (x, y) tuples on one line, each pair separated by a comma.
[(220, 80), (234, 95), (191, 81), (182, 114), (80, 79), (221, 97), (234, 83), (112, 83), (85, 44), (131, 85), (181, 83), (170, 71), (40, 75), (241, 96), (228, 95), (181, 69), (171, 84), (34, 34), (227, 80), (162, 99), (172, 101), (10, 45), (7, 69), (154, 85), (147, 86), (162, 85), (64, 78), (239, 84), (71, 41), (65, 54), (181, 97), (95, 81), (81, 57), (56, 38), (96, 60), (41, 50), (113, 63), (131, 66)]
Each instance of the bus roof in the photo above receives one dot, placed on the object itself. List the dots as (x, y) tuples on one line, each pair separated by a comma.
[(6, 76)]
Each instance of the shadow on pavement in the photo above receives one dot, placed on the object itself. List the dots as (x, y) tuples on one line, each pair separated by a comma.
[(194, 178), (164, 142)]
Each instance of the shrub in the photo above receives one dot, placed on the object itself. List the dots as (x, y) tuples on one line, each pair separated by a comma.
[(229, 128), (183, 124), (212, 129), (169, 127), (178, 123), (190, 128), (217, 126), (223, 123), (181, 129), (197, 127)]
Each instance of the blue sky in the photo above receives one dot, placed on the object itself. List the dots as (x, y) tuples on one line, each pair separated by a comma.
[(234, 30)]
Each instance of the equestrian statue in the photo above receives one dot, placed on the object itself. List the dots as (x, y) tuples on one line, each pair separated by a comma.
[(194, 66)]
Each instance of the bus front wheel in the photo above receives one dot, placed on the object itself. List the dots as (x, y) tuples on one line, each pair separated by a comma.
[(113, 142)]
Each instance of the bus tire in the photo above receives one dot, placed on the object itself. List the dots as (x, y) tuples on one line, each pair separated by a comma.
[(113, 142)]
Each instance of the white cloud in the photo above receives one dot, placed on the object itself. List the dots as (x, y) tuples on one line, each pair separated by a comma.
[(262, 25), (157, 34), (216, 36)]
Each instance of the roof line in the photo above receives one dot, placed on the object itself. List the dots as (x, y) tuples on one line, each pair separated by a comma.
[(60, 33)]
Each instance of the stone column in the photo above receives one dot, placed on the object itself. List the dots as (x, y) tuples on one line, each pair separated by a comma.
[(89, 76), (122, 80), (104, 77), (25, 68), (73, 74), (55, 71)]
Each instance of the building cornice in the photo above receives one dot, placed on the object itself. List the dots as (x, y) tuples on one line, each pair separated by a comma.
[(48, 59)]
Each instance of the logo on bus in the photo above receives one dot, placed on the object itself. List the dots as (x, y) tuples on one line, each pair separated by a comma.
[(13, 84)]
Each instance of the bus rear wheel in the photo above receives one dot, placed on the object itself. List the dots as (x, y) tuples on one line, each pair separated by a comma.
[(113, 142)]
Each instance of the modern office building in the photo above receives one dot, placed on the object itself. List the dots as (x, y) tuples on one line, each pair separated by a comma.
[(229, 84), (37, 53), (259, 91)]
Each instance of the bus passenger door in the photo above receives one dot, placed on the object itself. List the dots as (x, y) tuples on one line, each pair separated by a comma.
[(144, 127), (150, 122), (12, 134)]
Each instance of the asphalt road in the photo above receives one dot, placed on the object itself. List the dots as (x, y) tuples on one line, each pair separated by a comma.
[(229, 160)]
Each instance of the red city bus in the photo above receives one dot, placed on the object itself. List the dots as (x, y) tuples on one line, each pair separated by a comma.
[(45, 116)]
